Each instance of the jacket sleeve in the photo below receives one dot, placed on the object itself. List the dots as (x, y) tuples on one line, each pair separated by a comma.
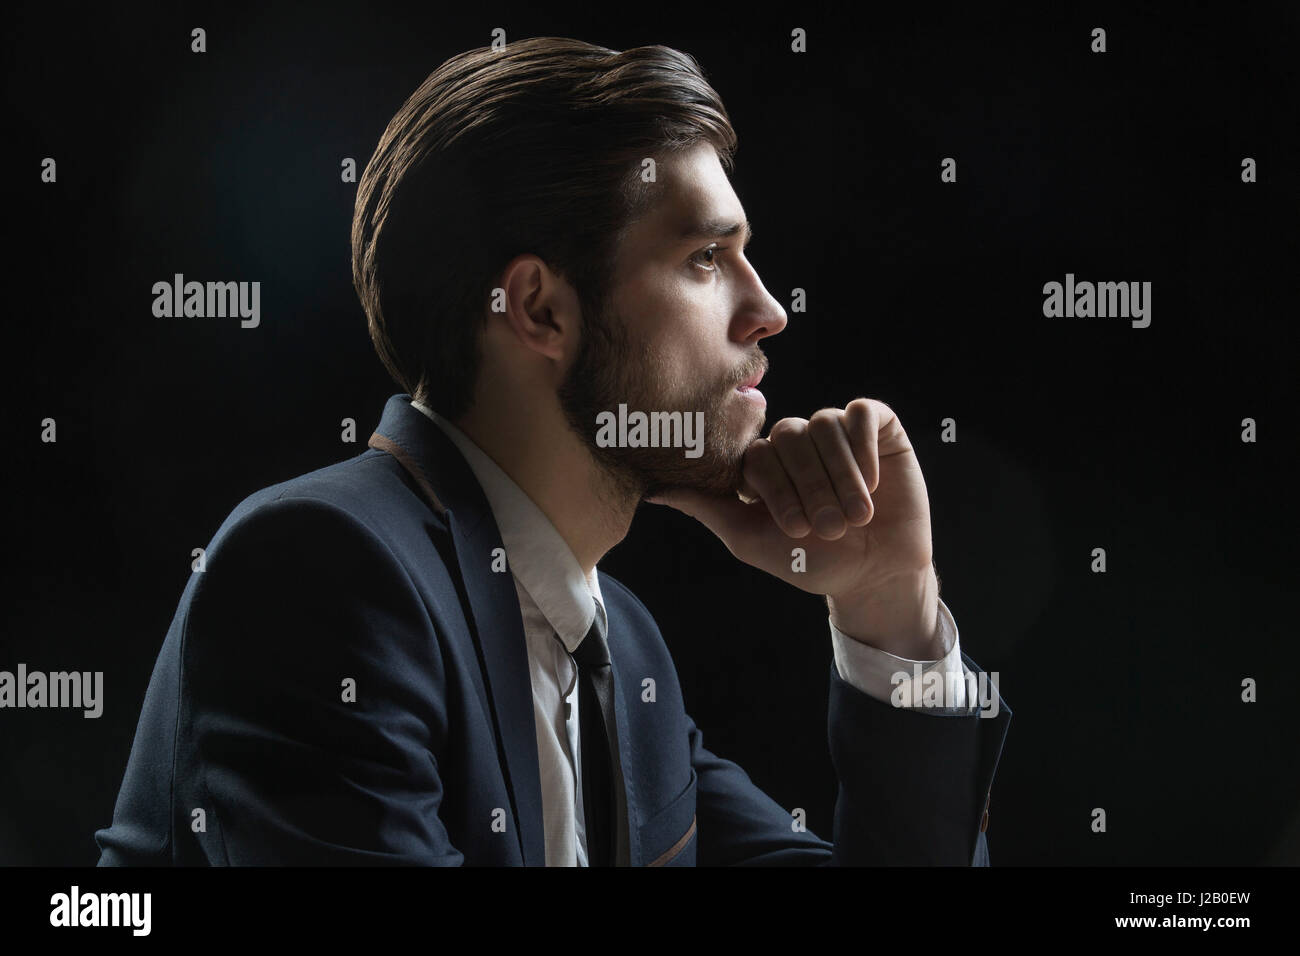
[(312, 710), (913, 790)]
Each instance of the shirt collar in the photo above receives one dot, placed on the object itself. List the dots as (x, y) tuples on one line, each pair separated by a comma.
[(538, 556)]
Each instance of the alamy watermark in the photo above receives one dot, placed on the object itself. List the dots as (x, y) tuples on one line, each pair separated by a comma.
[(74, 689), (75, 908), (946, 689), (211, 300), (1086, 300), (651, 430)]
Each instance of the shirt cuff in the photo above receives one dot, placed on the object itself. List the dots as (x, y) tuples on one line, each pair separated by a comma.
[(902, 682)]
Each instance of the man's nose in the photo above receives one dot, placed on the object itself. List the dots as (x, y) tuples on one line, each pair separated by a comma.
[(759, 319)]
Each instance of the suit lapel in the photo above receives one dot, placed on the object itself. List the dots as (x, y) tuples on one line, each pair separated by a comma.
[(629, 843), (447, 482)]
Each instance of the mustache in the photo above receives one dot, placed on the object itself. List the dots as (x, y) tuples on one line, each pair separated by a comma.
[(757, 365)]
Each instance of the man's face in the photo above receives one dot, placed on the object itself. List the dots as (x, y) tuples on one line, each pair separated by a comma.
[(680, 334)]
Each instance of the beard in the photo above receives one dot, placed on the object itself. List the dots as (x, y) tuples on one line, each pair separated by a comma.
[(611, 368)]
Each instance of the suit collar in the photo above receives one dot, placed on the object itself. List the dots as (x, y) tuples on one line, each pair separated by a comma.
[(445, 479), (540, 559), (449, 485), (432, 460)]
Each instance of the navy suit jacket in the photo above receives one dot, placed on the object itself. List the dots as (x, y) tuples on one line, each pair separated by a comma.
[(378, 570)]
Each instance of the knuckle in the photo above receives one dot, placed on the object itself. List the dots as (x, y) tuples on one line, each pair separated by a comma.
[(824, 423), (788, 428), (858, 416)]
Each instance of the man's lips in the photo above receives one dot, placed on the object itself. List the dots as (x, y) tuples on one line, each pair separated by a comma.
[(748, 389)]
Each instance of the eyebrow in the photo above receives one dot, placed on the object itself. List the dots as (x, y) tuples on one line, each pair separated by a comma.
[(716, 229)]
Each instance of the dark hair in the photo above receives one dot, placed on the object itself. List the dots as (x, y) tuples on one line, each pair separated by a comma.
[(536, 147)]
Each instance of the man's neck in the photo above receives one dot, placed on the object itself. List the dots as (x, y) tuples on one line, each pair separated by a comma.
[(590, 510)]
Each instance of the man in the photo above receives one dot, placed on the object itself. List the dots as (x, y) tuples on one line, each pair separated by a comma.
[(411, 657)]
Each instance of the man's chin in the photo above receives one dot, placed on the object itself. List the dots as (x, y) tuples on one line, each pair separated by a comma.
[(718, 471), (710, 477), (722, 472)]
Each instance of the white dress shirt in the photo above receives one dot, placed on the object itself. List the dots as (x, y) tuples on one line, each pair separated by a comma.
[(557, 598)]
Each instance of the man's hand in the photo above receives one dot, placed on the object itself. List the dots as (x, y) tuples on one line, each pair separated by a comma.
[(844, 486)]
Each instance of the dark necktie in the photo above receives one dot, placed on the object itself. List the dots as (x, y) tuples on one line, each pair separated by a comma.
[(599, 732)]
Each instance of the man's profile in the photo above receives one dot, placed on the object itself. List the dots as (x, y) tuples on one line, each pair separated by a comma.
[(411, 656)]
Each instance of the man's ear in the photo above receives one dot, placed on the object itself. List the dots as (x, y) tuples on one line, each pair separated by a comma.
[(542, 311)]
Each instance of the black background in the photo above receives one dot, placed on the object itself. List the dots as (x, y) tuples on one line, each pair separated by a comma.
[(1072, 433)]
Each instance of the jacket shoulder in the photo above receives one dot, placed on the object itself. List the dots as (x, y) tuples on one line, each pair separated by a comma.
[(371, 488)]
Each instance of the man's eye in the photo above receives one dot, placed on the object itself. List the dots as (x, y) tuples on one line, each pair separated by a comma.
[(711, 250)]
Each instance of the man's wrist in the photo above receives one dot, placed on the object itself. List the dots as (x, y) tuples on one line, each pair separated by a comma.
[(900, 617)]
